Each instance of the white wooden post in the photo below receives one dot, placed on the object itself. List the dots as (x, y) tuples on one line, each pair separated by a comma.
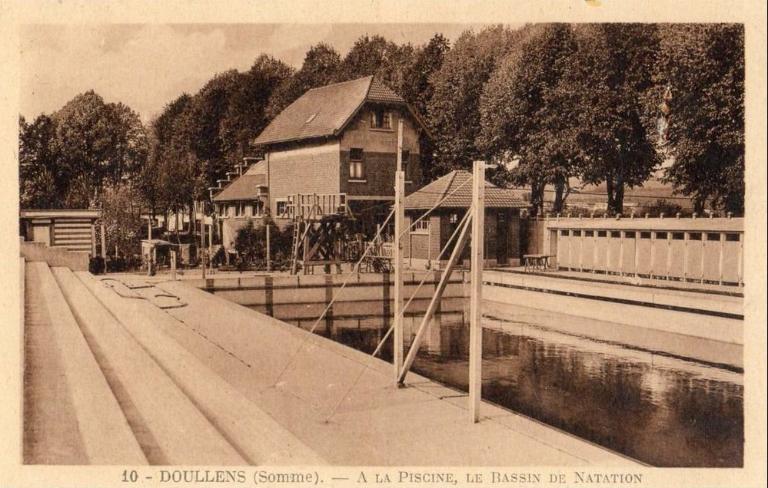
[(685, 256), (581, 250), (397, 255), (475, 318), (432, 308), (669, 254), (721, 260), (594, 250), (621, 252), (636, 259), (704, 237), (608, 241), (741, 259), (570, 246), (653, 254)]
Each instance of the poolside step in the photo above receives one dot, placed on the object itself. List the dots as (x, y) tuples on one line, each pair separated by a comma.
[(257, 436), (71, 415), (169, 427)]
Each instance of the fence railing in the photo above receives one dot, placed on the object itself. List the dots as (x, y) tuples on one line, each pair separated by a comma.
[(316, 205), (708, 250)]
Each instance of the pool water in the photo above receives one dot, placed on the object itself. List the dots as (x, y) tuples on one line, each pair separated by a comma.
[(660, 410)]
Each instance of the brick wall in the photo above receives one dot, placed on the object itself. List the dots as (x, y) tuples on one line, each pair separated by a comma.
[(380, 154), (379, 179), (307, 169), (421, 246)]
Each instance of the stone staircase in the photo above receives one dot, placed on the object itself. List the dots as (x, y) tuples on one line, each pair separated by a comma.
[(104, 386)]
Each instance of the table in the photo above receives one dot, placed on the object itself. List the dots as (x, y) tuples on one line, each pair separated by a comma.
[(536, 261)]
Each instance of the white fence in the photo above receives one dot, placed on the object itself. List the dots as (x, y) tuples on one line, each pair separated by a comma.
[(708, 250)]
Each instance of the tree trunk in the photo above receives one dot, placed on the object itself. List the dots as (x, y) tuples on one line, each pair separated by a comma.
[(559, 190), (191, 230), (610, 206), (618, 196), (537, 198), (698, 205)]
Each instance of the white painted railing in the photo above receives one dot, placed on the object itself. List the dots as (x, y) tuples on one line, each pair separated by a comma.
[(707, 250)]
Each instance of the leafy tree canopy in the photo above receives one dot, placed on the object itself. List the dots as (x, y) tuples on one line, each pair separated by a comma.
[(703, 68)]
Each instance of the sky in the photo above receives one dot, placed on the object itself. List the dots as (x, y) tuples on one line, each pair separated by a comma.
[(146, 66)]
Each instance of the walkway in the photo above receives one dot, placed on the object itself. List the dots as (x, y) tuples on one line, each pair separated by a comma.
[(270, 393)]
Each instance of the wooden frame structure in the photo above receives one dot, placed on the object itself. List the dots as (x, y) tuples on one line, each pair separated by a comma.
[(320, 223)]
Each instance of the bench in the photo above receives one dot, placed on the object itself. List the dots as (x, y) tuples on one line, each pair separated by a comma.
[(538, 262)]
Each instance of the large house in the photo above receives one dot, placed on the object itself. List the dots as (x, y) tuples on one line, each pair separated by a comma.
[(336, 144)]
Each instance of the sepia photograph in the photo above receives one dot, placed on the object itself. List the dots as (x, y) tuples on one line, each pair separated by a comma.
[(503, 252)]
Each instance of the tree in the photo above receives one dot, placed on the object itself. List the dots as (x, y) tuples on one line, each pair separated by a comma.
[(703, 67), (250, 242), (321, 67), (98, 143), (121, 214), (131, 145), (454, 117), (247, 110), (604, 92), (417, 91), (40, 181), (163, 180), (522, 117), (379, 57)]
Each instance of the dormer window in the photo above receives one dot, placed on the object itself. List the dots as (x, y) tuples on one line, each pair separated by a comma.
[(381, 119)]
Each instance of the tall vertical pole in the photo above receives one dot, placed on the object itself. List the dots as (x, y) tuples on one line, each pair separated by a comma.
[(475, 311), (104, 245), (173, 265), (397, 256), (269, 254), (202, 237)]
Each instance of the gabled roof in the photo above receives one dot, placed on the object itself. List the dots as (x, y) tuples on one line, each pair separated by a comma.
[(244, 187), (456, 188), (325, 111)]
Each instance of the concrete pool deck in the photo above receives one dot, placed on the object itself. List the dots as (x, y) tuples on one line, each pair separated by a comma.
[(343, 403), (268, 387)]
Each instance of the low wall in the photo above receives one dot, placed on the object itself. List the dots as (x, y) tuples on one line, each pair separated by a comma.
[(269, 291), (714, 323), (38, 252), (689, 249)]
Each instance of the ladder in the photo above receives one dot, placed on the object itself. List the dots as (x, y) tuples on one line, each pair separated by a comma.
[(297, 241)]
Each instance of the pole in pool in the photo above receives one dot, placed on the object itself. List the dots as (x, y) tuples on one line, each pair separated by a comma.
[(397, 358), (476, 275)]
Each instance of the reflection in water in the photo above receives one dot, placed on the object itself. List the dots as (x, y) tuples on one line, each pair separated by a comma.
[(659, 410)]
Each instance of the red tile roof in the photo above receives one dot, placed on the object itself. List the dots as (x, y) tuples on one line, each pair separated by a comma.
[(324, 111), (456, 188)]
